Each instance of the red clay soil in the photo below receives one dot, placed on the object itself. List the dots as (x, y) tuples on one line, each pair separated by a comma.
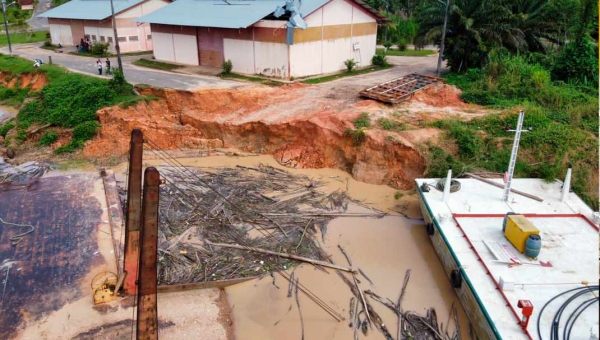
[(441, 95), (34, 81), (300, 125)]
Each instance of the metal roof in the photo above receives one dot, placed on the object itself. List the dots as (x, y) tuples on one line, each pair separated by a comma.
[(88, 9), (226, 13)]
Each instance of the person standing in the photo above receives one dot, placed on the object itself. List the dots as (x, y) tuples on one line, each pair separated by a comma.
[(99, 65), (108, 69)]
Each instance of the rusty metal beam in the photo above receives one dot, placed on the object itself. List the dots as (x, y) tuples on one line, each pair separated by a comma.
[(134, 211), (147, 316), (399, 89)]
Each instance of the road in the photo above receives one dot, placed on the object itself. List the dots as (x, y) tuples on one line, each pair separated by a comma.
[(133, 74), (39, 24)]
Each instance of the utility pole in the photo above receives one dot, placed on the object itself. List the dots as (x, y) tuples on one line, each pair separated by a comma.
[(114, 25), (6, 25), (443, 43)]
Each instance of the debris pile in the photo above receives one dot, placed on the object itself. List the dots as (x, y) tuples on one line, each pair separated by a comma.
[(225, 223), (20, 175)]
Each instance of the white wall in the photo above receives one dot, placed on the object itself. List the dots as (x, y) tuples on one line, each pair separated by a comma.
[(337, 12), (271, 59), (306, 58), (61, 34), (266, 58), (165, 41), (186, 49), (241, 54)]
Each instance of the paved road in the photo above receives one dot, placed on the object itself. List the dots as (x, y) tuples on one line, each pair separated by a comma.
[(133, 74), (39, 24)]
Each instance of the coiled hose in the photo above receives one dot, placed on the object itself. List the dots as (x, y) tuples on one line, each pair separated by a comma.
[(454, 185)]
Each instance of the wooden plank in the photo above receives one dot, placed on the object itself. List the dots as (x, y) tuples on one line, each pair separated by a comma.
[(202, 285), (147, 312)]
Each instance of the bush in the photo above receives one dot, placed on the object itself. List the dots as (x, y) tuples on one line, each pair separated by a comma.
[(578, 63), (358, 136), (227, 66), (118, 83), (402, 45), (387, 45), (48, 138), (5, 128), (85, 131), (350, 64), (363, 121), (99, 48), (47, 43), (379, 60)]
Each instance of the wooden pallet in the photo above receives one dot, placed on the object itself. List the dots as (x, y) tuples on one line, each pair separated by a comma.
[(400, 89)]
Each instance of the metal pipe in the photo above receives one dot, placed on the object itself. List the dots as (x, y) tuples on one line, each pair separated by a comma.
[(566, 186), (447, 185)]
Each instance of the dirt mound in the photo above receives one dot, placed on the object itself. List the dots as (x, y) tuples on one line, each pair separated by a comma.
[(35, 81), (441, 95)]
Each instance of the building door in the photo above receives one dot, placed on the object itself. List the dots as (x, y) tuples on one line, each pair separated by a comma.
[(210, 46)]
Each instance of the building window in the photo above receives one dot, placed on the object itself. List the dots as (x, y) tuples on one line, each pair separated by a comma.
[(110, 40), (93, 37), (102, 38), (149, 37), (133, 38), (122, 39)]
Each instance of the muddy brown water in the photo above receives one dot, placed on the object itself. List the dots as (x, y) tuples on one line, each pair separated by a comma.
[(383, 248)]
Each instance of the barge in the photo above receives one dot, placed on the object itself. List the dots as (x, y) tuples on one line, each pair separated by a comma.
[(505, 293)]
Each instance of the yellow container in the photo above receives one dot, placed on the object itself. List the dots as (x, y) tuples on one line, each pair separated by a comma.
[(518, 229)]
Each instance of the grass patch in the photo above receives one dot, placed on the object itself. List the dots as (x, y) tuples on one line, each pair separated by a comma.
[(157, 65), (92, 55), (23, 38), (363, 121), (269, 82), (48, 138), (134, 100), (131, 54), (407, 53), (6, 127), (345, 74), (391, 125), (69, 100)]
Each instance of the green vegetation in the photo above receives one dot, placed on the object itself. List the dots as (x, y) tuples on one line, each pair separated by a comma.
[(562, 117), (398, 195), (22, 38), (6, 127), (363, 121), (350, 63), (48, 138), (134, 100), (16, 17), (158, 65), (69, 100), (406, 53), (227, 67), (12, 96), (358, 136), (379, 59), (345, 74), (391, 125)]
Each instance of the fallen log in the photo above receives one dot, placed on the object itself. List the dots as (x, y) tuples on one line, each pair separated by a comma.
[(289, 256), (518, 192)]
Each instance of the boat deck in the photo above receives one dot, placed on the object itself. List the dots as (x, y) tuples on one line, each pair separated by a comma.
[(471, 222)]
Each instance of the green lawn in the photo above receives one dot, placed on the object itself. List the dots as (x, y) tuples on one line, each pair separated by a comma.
[(407, 53), (345, 74), (21, 38), (159, 65)]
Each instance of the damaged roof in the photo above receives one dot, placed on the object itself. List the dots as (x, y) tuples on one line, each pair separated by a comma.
[(88, 9), (229, 13)]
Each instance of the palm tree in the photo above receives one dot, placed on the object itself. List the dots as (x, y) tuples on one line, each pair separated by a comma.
[(476, 26)]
